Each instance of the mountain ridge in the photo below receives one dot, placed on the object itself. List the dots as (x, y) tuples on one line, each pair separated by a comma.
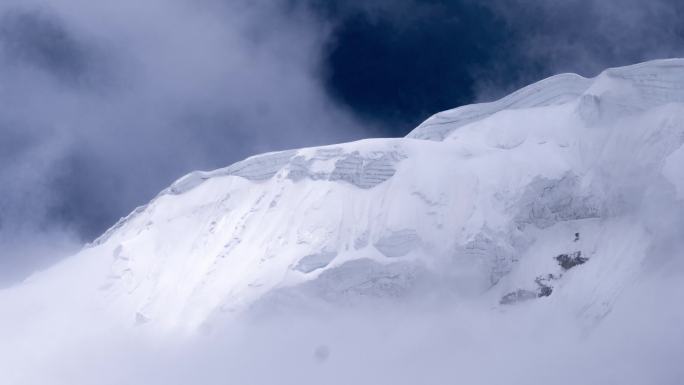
[(482, 201)]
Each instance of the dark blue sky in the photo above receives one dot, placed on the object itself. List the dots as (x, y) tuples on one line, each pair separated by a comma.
[(397, 68), (103, 104), (398, 62)]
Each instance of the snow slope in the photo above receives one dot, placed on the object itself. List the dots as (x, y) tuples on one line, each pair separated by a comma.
[(483, 202)]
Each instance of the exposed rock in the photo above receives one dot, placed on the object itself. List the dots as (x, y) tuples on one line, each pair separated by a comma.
[(568, 261), (543, 283), (544, 289)]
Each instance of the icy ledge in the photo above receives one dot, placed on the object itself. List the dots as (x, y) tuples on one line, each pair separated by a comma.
[(639, 86)]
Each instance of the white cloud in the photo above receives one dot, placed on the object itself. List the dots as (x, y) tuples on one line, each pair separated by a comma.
[(106, 103)]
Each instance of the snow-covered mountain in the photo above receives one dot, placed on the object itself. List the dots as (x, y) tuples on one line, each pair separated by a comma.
[(555, 196)]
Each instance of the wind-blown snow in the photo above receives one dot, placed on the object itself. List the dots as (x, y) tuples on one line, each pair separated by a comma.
[(528, 209)]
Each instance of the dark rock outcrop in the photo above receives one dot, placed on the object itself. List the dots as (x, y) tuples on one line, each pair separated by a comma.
[(568, 261)]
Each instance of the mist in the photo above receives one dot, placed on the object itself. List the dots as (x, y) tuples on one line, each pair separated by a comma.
[(105, 104), (638, 343)]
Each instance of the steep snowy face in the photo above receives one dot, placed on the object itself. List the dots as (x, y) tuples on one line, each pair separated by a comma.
[(545, 196)]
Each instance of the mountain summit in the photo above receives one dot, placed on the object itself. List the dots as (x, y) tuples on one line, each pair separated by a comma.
[(554, 197)]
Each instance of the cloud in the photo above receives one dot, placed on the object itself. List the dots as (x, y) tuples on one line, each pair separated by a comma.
[(450, 342), (104, 104)]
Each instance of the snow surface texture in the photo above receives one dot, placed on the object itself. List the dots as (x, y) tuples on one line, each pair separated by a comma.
[(549, 201)]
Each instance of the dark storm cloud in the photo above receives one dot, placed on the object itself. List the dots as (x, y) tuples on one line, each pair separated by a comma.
[(103, 105)]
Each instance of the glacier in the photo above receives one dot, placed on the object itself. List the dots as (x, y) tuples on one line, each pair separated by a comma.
[(553, 200)]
